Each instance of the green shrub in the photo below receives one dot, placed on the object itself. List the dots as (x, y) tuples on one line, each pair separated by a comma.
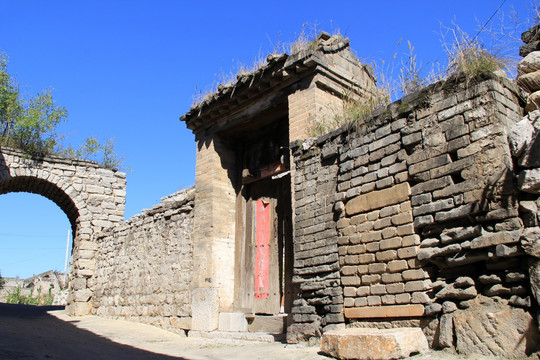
[(15, 297)]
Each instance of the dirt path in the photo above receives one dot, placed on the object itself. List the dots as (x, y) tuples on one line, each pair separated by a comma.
[(30, 332)]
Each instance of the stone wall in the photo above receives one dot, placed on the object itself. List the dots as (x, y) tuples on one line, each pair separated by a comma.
[(316, 263), (144, 266), (422, 221)]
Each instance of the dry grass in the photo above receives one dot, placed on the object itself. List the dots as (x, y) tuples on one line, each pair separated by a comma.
[(354, 113), (470, 57), (227, 79)]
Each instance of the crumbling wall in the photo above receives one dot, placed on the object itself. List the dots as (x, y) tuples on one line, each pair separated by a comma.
[(144, 266), (426, 218)]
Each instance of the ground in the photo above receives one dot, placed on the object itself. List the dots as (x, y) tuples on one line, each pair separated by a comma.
[(46, 332)]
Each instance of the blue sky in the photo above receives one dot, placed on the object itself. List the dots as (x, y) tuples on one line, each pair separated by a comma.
[(129, 69)]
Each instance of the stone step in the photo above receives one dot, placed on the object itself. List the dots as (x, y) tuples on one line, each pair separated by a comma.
[(234, 335), (372, 344)]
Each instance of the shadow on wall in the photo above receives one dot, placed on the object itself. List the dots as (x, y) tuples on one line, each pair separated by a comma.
[(30, 332)]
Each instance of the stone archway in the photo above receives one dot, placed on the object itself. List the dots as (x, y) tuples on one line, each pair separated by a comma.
[(92, 197)]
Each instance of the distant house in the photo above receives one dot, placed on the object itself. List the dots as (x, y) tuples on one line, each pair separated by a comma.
[(37, 284)]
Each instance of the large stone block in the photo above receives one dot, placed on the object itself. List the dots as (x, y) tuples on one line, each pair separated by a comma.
[(205, 309), (395, 311), (232, 322), (529, 181), (493, 328), (363, 343), (379, 199), (79, 308)]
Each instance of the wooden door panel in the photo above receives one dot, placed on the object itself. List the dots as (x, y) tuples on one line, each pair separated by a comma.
[(266, 254)]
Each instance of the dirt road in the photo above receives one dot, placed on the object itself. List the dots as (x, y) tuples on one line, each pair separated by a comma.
[(30, 332)]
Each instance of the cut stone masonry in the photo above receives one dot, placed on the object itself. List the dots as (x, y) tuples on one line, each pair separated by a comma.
[(423, 215)]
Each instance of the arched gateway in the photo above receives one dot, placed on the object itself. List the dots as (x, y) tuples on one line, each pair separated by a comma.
[(92, 197)]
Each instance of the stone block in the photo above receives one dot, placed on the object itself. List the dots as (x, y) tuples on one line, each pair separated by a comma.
[(377, 268), (373, 246), (433, 207), (374, 300), (268, 324), (386, 255), (371, 279), (79, 308), (429, 164), (395, 288), (83, 295), (404, 298), (391, 278), (397, 265), (378, 199), (392, 243), (408, 252), (446, 331), (232, 322), (529, 181), (505, 237), (205, 309), (493, 328), (375, 312), (414, 274)]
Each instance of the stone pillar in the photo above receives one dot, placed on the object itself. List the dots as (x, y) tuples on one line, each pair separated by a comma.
[(213, 232), (309, 106)]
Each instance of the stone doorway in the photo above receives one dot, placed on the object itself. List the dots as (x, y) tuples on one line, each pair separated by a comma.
[(264, 232)]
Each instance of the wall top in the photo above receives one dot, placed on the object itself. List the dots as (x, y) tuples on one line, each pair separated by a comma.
[(280, 71)]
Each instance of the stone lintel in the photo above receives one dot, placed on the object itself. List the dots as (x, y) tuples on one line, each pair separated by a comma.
[(391, 311)]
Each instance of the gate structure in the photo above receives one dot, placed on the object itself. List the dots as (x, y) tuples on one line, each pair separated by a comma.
[(92, 197)]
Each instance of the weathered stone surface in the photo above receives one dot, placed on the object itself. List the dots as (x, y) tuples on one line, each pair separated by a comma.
[(232, 322), (520, 136), (529, 213), (433, 309), (529, 81), (79, 308), (359, 343), (297, 333), (446, 331), (379, 199), (493, 328), (530, 241), (82, 295), (449, 307), (533, 101), (529, 63), (267, 324), (460, 234), (534, 278), (531, 34), (205, 309), (394, 311), (529, 48), (492, 239), (529, 181), (452, 292), (463, 282)]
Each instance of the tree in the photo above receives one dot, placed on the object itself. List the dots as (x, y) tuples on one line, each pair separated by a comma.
[(30, 125), (2, 281)]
